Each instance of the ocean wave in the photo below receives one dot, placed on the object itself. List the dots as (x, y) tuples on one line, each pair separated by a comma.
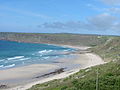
[(33, 54), (46, 57), (1, 66), (20, 59), (23, 59), (7, 66), (66, 50), (2, 60), (45, 51), (16, 57)]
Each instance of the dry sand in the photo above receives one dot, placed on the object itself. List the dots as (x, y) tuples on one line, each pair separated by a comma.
[(25, 71), (82, 60)]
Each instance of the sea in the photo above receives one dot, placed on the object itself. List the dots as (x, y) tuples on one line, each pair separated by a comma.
[(16, 54)]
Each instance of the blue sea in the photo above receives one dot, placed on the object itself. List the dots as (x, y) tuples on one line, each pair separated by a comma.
[(14, 54)]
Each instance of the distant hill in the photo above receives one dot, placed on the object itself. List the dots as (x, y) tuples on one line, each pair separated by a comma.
[(63, 38)]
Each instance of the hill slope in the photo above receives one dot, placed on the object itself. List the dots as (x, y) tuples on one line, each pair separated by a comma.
[(110, 50), (68, 39), (107, 47), (108, 74)]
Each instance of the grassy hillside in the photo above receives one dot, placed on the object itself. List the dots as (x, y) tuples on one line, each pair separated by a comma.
[(110, 50), (108, 74), (108, 47), (69, 39), (108, 79)]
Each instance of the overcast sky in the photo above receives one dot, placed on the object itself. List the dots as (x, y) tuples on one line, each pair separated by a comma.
[(60, 16)]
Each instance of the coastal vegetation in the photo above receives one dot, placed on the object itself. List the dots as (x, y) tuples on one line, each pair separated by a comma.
[(62, 38), (101, 77), (108, 79)]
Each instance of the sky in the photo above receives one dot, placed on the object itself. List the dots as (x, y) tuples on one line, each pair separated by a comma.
[(60, 16)]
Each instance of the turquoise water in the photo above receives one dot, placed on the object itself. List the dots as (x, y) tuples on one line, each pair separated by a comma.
[(13, 54)]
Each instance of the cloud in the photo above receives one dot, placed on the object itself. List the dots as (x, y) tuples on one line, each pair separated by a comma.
[(115, 10), (111, 2), (23, 12), (65, 25), (100, 22), (54, 25), (116, 27), (94, 7)]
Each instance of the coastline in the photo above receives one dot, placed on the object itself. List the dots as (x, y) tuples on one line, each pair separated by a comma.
[(83, 61)]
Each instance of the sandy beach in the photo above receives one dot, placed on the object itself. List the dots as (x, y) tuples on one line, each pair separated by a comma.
[(22, 78)]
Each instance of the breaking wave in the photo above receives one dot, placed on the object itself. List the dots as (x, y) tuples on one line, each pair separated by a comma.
[(45, 51), (13, 54), (16, 57), (7, 66)]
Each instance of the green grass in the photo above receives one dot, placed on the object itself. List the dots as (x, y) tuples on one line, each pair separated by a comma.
[(110, 50), (109, 79), (109, 73), (108, 47)]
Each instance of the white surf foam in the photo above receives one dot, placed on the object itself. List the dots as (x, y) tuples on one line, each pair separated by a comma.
[(1, 66), (8, 66), (16, 57), (2, 60), (45, 51), (46, 57), (23, 59)]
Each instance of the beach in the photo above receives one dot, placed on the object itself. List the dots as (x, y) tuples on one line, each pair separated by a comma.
[(22, 78)]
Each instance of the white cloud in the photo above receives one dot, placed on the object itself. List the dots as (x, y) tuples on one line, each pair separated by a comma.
[(65, 25), (111, 2), (102, 22), (115, 10), (94, 7), (23, 12)]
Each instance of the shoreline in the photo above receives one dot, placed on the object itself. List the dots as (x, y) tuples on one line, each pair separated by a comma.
[(84, 60)]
